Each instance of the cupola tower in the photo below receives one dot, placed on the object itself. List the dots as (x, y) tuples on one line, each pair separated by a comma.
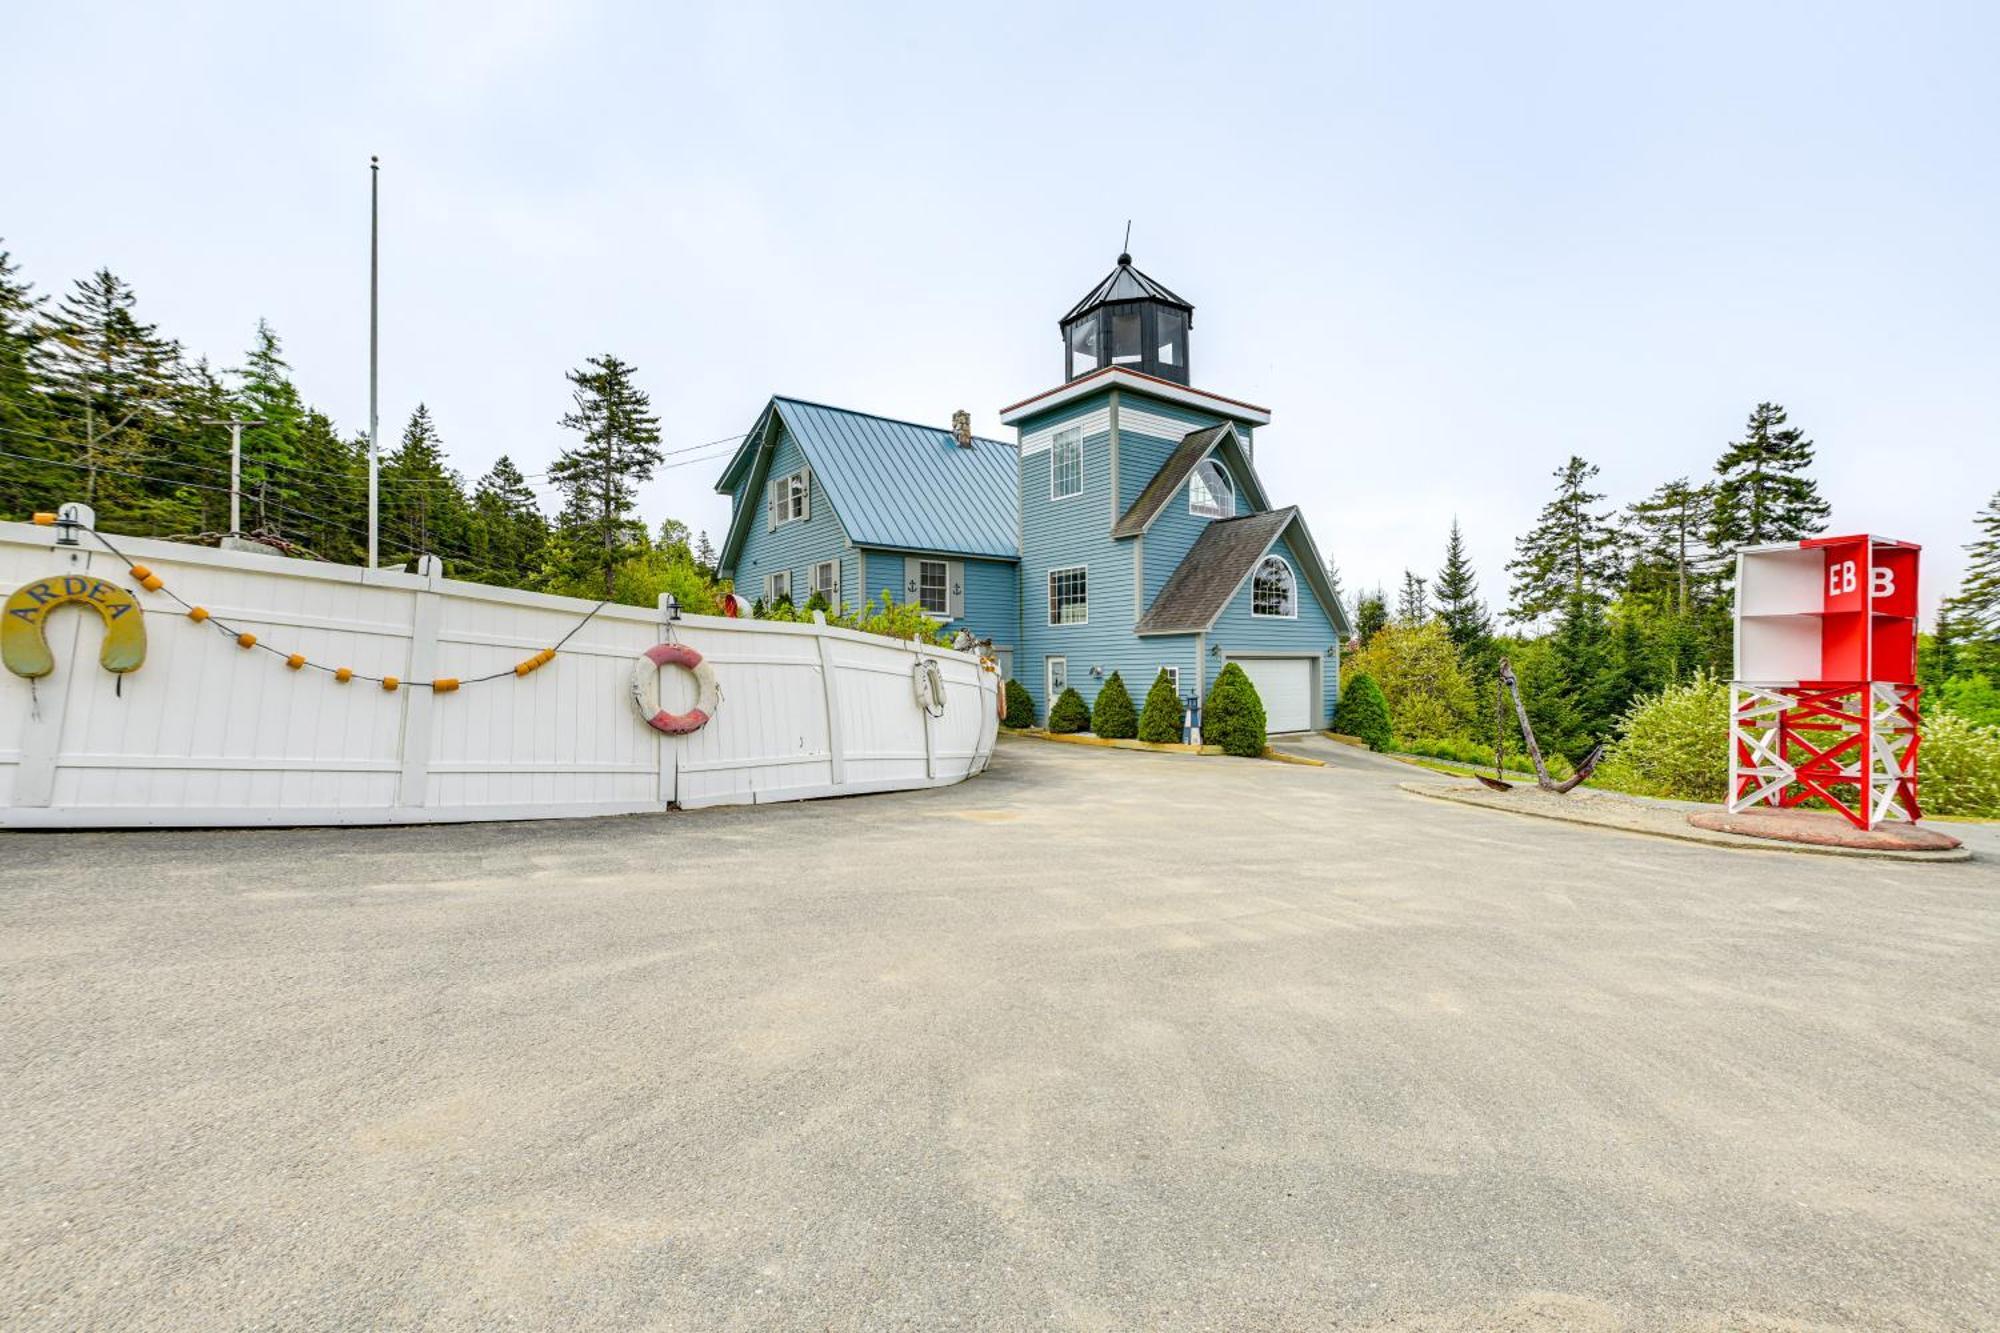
[(1128, 320)]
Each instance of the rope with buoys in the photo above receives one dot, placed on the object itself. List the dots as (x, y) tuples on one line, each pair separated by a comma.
[(646, 688)]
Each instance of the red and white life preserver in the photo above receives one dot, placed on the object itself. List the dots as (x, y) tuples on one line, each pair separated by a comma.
[(646, 688)]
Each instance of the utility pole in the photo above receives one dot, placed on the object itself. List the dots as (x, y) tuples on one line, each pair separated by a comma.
[(374, 346), (236, 425)]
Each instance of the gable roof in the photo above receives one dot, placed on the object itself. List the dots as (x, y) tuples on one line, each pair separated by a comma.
[(1218, 562), (1181, 463), (892, 483)]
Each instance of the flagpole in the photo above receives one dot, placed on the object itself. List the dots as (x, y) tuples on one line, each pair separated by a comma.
[(374, 345)]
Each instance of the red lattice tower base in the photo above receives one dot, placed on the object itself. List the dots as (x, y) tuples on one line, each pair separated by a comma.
[(1851, 744)]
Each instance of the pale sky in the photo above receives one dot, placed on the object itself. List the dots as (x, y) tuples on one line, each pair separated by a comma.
[(1446, 245)]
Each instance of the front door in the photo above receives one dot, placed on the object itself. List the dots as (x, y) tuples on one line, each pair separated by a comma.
[(1055, 679)]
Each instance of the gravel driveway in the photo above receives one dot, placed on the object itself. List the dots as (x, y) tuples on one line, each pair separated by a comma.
[(1100, 1040)]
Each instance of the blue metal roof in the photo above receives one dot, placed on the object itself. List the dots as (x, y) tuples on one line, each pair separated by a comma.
[(901, 485)]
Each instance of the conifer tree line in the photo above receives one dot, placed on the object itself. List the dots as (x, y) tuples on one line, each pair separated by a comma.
[(97, 405), (1606, 603)]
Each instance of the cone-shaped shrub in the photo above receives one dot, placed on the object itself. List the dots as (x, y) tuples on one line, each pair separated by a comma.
[(1069, 715), (1112, 716), (1020, 705), (1233, 717), (1160, 721), (1364, 713)]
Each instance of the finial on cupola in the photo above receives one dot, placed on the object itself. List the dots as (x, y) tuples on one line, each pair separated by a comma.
[(1131, 321)]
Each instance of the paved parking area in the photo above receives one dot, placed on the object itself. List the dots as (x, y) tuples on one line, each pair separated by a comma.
[(1100, 1040)]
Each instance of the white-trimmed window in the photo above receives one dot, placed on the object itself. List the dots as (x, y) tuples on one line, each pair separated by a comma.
[(777, 587), (826, 582), (1066, 464), (790, 498), (1069, 596), (1273, 591), (1174, 678), (934, 587), (1211, 494)]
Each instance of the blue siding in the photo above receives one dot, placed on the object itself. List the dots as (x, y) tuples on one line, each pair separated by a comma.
[(991, 598), (1236, 630), (796, 547), (1175, 530)]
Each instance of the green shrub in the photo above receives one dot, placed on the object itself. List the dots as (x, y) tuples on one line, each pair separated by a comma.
[(1674, 743), (1958, 768), (1112, 716), (1069, 716), (1020, 706), (1974, 698), (1363, 712), (1160, 721), (1480, 755), (1233, 717), (1422, 680)]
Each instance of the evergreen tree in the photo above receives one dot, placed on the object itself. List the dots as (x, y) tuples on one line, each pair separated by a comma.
[(1974, 610), (272, 457), (1113, 716), (1020, 706), (509, 533), (1160, 720), (423, 504), (1667, 550), (1233, 717), (1371, 615), (1458, 603), (1068, 714), (28, 483), (1764, 494), (331, 490), (1571, 554), (599, 478), (705, 556), (112, 384), (1333, 582), (1412, 603), (1363, 712)]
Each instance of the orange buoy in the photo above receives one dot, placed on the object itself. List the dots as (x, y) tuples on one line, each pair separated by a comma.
[(246, 639)]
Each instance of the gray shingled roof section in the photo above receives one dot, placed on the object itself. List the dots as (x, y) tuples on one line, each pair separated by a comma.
[(1213, 569), (1167, 480)]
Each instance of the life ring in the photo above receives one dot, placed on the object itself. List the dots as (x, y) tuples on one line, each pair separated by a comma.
[(646, 688), (24, 645), (928, 679)]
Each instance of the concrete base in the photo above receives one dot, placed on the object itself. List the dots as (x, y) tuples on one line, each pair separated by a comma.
[(1822, 828)]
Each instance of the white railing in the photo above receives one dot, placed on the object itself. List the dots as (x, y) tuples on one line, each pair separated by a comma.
[(209, 733)]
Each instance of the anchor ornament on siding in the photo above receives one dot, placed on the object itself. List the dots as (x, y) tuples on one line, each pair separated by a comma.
[(24, 640)]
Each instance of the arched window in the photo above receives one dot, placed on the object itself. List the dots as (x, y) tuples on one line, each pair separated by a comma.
[(1210, 492), (1272, 592)]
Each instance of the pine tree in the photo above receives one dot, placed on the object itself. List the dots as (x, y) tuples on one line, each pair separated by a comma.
[(1974, 610), (1764, 494), (331, 486), (1371, 615), (423, 504), (704, 555), (599, 478), (1666, 536), (1570, 555), (1458, 602), (1112, 715), (26, 483), (1333, 582), (272, 456), (509, 533), (1160, 720), (113, 383), (1412, 603)]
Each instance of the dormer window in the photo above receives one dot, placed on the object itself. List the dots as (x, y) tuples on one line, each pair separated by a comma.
[(1210, 492)]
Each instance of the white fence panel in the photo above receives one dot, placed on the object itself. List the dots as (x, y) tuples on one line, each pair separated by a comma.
[(208, 733)]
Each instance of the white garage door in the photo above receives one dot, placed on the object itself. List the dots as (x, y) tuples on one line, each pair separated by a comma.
[(1285, 686)]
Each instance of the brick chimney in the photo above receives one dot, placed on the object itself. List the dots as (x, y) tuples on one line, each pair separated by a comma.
[(961, 428)]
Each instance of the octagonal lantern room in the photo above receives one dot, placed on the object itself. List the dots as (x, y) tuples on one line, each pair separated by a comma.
[(1128, 320)]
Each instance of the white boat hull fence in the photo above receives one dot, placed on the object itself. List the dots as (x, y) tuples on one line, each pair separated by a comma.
[(208, 733)]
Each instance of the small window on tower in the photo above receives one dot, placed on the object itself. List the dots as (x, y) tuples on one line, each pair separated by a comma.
[(1127, 346), (1083, 347), (1171, 338)]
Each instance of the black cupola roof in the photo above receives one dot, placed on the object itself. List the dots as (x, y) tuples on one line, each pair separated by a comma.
[(1128, 320)]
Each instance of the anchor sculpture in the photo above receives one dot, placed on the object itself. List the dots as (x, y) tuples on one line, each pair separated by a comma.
[(1512, 686)]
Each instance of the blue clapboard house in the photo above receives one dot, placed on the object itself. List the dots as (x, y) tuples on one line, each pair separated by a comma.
[(1124, 529)]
